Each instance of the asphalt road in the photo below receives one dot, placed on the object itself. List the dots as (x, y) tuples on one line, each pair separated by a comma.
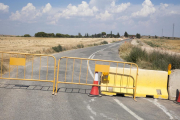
[(20, 100)]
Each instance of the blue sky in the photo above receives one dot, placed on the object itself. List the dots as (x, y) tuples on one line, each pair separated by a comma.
[(147, 17)]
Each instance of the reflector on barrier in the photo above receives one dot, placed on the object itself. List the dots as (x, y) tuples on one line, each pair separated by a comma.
[(17, 61), (102, 68)]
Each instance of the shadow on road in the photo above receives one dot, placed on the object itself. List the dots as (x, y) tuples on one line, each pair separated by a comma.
[(44, 88), (74, 90)]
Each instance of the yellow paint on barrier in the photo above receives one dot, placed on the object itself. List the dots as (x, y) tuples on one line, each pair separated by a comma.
[(102, 68), (17, 61), (150, 82)]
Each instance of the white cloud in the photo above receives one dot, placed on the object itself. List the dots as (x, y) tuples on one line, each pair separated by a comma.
[(123, 18), (173, 12), (163, 6), (83, 10), (4, 8), (104, 16), (101, 4), (119, 8), (47, 8), (26, 14), (29, 12), (148, 8)]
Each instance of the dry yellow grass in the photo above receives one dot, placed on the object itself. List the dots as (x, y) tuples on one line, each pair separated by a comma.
[(166, 44), (125, 49), (41, 45)]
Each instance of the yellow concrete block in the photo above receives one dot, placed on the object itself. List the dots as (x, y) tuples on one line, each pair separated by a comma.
[(149, 82), (17, 61)]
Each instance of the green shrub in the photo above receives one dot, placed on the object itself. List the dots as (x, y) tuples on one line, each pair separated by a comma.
[(58, 48), (151, 44), (136, 54), (158, 60), (80, 46), (104, 42), (95, 44), (4, 69), (27, 35)]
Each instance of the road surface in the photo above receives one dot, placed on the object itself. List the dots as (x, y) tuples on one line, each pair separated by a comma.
[(33, 100)]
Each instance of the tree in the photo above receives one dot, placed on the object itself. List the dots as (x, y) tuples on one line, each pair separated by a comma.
[(40, 34), (79, 35), (118, 35), (138, 35), (155, 36), (126, 34), (87, 35), (103, 33), (27, 35), (59, 35), (111, 34)]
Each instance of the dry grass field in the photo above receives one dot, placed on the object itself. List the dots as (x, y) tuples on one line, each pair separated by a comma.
[(165, 44), (44, 45)]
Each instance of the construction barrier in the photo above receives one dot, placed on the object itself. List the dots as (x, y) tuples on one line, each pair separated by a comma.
[(150, 82), (73, 70), (18, 61)]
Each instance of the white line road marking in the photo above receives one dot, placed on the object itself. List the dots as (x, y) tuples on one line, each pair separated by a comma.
[(92, 100), (161, 107), (92, 117), (92, 56), (90, 109), (128, 110)]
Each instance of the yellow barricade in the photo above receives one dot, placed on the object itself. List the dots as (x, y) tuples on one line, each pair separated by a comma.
[(150, 82), (73, 70), (18, 61)]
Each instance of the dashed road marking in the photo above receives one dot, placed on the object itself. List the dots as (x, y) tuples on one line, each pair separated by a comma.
[(92, 117), (90, 109), (128, 110), (161, 107)]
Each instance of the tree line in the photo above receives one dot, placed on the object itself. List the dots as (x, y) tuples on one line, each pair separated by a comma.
[(99, 35), (59, 35)]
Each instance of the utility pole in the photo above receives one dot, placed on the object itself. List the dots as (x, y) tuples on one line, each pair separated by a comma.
[(173, 30)]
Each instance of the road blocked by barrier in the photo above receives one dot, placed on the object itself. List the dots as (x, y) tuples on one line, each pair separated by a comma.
[(17, 63), (72, 70), (150, 82)]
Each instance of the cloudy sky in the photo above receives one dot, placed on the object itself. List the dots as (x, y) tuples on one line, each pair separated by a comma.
[(147, 17)]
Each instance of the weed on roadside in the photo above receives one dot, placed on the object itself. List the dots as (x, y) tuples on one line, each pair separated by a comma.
[(104, 42), (80, 46), (157, 60), (58, 48)]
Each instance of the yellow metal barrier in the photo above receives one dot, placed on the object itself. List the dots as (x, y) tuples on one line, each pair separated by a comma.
[(14, 59), (72, 67)]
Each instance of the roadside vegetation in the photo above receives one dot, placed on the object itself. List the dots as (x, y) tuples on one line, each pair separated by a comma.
[(60, 48), (154, 60), (3, 68)]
